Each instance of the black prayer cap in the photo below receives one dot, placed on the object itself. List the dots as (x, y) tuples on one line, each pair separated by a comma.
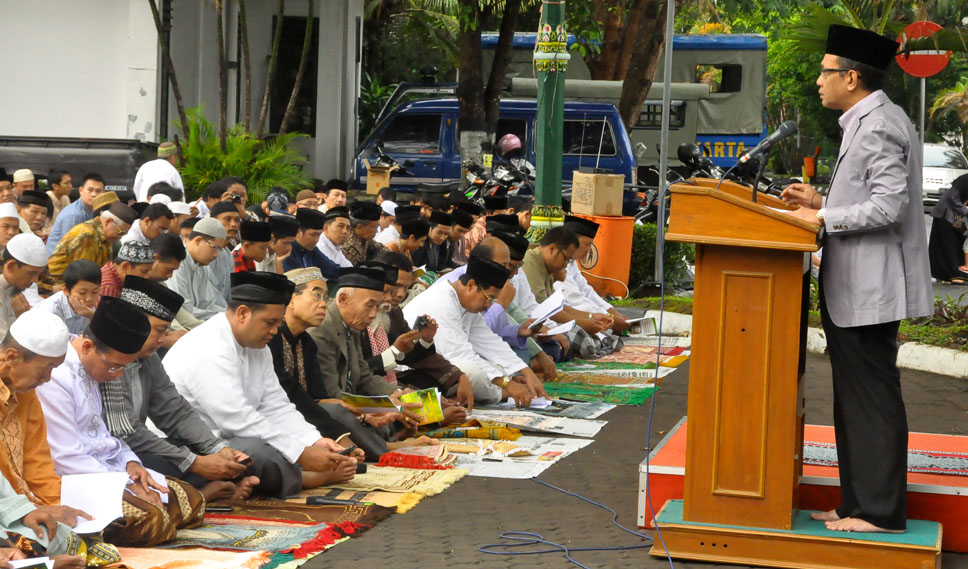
[(390, 273), (492, 203), (139, 208), (862, 46), (441, 218), (371, 278), (120, 325), (503, 222), (123, 212), (416, 227), (405, 212), (154, 298), (517, 244), (224, 207), (365, 211), (462, 218), (283, 225), (336, 212), (470, 207), (581, 226), (487, 273), (261, 287), (255, 231), (125, 195), (33, 197), (309, 218)]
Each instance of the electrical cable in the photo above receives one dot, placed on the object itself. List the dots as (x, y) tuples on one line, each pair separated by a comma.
[(607, 279)]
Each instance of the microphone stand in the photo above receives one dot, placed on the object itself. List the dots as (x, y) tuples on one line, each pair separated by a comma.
[(762, 158)]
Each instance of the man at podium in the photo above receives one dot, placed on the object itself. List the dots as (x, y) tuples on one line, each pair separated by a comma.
[(874, 273)]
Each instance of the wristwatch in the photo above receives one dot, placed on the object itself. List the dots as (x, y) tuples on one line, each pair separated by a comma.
[(820, 213), (505, 380)]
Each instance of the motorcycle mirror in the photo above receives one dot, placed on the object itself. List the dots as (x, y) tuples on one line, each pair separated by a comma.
[(688, 153), (640, 149)]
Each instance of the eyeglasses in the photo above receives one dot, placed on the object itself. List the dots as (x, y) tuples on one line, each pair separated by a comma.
[(113, 367), (319, 296), (212, 245), (490, 299), (825, 70)]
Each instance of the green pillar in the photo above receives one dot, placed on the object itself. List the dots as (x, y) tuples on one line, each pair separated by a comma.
[(550, 62)]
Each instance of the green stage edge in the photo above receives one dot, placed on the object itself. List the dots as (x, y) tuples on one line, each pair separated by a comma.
[(919, 532)]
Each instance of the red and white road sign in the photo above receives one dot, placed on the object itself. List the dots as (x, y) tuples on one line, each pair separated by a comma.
[(921, 63)]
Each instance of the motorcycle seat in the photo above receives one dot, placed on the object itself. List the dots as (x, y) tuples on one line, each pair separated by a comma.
[(438, 187)]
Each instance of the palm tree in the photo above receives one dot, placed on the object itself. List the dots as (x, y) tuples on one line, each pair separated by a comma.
[(953, 100)]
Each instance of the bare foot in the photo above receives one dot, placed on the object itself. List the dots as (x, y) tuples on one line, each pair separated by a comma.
[(244, 487), (858, 525), (217, 490), (830, 516), (414, 442), (343, 473), (68, 561)]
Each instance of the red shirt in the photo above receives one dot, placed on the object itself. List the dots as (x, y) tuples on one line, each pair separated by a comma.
[(242, 263), (110, 283)]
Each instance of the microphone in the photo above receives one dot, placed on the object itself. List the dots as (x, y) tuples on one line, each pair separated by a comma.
[(786, 129)]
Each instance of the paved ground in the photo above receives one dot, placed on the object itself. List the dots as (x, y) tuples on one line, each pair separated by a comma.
[(446, 530)]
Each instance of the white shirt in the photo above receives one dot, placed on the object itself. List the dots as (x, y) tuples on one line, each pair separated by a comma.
[(150, 173), (134, 234), (220, 272), (388, 235), (193, 283), (268, 264), (32, 295), (523, 295), (59, 305), (7, 315), (235, 390), (462, 335), (578, 293), (79, 440), (334, 253)]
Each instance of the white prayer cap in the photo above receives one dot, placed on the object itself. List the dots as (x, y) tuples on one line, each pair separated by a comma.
[(41, 332), (28, 249), (178, 208), (389, 207), (23, 175), (7, 209), (160, 198)]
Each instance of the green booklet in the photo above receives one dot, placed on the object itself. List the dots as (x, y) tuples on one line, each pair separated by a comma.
[(370, 404), (431, 411)]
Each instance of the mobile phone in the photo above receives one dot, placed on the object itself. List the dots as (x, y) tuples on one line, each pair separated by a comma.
[(421, 323), (347, 450), (209, 508), (246, 462)]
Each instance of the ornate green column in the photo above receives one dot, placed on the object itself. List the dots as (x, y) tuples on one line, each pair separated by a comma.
[(550, 62)]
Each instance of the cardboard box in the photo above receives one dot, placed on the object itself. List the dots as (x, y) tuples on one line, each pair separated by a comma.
[(596, 194), (377, 177)]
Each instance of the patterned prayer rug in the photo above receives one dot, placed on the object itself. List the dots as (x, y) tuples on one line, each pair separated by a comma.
[(390, 479), (929, 462), (157, 558), (590, 365), (615, 395), (400, 502), (476, 429), (255, 511), (261, 536), (633, 378)]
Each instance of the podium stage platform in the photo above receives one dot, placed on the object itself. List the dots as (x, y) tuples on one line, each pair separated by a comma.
[(935, 497)]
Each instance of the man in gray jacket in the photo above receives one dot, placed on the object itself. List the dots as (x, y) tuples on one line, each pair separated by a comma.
[(873, 274)]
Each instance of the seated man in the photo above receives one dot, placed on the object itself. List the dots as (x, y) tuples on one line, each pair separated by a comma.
[(393, 344), (92, 239), (364, 221), (493, 205), (234, 388), (227, 213), (76, 303), (402, 213), (304, 251), (24, 259), (576, 290), (254, 248), (28, 532), (434, 254), (190, 280), (463, 337), (156, 219), (284, 228), (463, 222), (35, 208), (458, 256), (191, 452), (79, 439), (413, 234), (336, 229), (79, 211), (133, 258)]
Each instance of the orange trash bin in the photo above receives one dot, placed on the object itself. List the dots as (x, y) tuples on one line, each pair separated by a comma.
[(610, 257)]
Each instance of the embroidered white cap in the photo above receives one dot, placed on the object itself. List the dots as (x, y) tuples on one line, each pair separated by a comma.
[(179, 208), (23, 175), (28, 249), (41, 332), (389, 207), (160, 198), (8, 209)]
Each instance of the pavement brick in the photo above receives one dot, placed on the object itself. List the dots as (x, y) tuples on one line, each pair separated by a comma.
[(445, 531)]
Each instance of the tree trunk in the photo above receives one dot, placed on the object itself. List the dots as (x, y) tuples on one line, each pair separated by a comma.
[(271, 75), (502, 59), (470, 89), (645, 57), (633, 24), (602, 66), (223, 102), (166, 61), (303, 57), (246, 63)]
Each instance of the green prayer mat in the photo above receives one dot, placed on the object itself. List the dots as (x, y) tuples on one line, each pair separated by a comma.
[(599, 393), (583, 365)]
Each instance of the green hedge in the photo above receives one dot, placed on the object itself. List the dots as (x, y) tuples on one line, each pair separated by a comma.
[(675, 257)]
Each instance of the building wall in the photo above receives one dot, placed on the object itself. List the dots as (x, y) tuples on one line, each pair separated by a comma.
[(78, 69)]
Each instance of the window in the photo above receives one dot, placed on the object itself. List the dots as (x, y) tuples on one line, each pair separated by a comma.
[(584, 137), (651, 116), (720, 78), (517, 127), (939, 157), (303, 118), (413, 133)]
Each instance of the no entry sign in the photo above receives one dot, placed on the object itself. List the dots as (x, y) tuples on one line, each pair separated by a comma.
[(922, 63)]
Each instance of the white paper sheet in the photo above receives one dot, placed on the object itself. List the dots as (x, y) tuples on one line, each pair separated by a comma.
[(551, 306), (529, 421), (559, 329), (98, 495), (536, 403), (33, 562), (545, 451)]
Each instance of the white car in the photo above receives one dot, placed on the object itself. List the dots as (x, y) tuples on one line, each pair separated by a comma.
[(942, 164)]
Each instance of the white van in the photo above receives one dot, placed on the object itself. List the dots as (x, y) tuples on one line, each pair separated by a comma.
[(942, 164)]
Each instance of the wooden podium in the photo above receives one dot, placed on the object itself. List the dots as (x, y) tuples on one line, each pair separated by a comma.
[(745, 409)]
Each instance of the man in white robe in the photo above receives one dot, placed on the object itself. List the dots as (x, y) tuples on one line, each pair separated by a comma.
[(191, 280), (335, 232), (160, 170)]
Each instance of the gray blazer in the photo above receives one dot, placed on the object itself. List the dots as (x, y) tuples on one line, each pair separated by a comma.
[(875, 257)]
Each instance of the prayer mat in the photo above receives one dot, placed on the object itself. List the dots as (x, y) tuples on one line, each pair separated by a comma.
[(643, 359), (400, 502), (636, 380), (591, 365), (255, 511), (928, 462), (476, 429), (390, 479), (256, 536), (599, 393), (482, 447), (156, 558)]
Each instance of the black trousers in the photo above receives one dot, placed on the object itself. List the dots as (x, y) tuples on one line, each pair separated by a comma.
[(869, 421)]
